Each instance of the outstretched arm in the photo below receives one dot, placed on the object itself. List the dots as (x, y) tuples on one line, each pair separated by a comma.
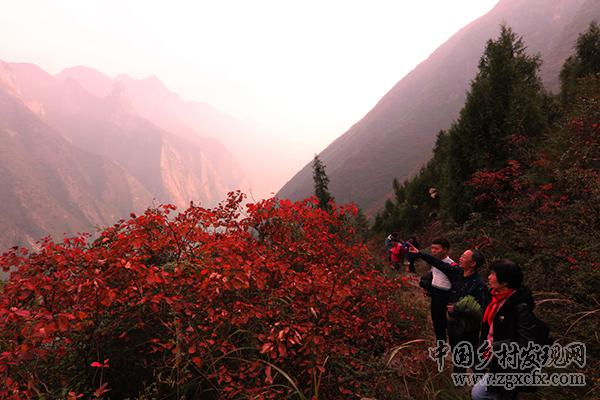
[(431, 260)]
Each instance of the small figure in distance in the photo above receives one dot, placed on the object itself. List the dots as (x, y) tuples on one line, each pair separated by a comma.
[(410, 256), (397, 254)]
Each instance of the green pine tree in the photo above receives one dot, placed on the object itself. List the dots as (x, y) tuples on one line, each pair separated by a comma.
[(506, 100), (585, 62), (321, 182)]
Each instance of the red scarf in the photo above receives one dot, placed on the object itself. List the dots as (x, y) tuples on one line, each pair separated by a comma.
[(498, 296)]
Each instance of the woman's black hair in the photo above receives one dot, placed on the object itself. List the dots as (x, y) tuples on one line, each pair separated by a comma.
[(507, 272)]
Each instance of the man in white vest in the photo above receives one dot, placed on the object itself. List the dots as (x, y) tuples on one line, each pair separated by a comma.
[(441, 288)]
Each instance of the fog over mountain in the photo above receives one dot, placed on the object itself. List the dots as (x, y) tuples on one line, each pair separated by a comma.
[(81, 149), (225, 139), (397, 136), (84, 151)]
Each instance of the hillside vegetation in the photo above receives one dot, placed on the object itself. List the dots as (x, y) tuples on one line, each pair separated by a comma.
[(269, 300), (285, 300), (518, 176)]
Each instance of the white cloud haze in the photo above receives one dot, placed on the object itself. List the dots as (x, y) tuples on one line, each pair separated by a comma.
[(304, 71)]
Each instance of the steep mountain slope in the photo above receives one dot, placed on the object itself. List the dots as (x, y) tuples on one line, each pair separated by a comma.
[(227, 140), (71, 160), (396, 137), (194, 121), (50, 187), (174, 168)]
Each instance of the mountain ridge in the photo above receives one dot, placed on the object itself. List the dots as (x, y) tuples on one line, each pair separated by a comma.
[(119, 162), (395, 138), (45, 194)]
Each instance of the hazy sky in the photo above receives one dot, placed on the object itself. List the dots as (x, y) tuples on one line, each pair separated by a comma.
[(304, 69)]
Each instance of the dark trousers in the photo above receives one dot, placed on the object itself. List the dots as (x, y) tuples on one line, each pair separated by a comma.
[(470, 337), (411, 262), (439, 301)]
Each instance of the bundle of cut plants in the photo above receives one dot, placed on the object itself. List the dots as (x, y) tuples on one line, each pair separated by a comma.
[(466, 316)]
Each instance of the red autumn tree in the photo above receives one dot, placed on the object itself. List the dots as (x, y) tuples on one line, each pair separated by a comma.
[(264, 300)]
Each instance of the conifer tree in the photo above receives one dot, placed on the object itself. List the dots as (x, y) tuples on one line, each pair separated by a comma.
[(585, 62), (321, 182), (506, 100)]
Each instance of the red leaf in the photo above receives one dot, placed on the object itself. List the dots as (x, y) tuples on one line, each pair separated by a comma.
[(345, 391), (266, 347), (101, 390), (97, 364), (268, 378), (23, 313)]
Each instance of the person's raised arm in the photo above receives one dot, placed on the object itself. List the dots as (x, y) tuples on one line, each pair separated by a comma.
[(431, 260)]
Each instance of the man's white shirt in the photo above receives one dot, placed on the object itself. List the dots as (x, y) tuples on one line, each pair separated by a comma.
[(440, 280)]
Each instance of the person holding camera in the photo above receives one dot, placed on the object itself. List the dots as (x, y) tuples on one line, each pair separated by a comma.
[(468, 295), (397, 253), (440, 286)]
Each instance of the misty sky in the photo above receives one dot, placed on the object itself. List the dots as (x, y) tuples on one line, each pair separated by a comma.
[(306, 70)]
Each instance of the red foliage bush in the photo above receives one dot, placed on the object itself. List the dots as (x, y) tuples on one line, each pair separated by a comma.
[(263, 300), (495, 188), (547, 210)]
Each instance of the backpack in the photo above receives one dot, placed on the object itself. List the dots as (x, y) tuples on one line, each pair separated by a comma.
[(541, 334), (542, 337)]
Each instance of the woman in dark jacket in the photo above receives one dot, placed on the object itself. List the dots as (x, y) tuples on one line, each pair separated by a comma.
[(507, 319)]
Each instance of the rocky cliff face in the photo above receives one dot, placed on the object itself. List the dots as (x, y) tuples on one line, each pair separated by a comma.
[(195, 122), (51, 187), (396, 137), (72, 160)]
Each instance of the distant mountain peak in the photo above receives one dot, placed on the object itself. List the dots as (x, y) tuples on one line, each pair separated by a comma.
[(123, 77), (82, 70), (94, 150), (153, 79), (93, 81), (151, 85)]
